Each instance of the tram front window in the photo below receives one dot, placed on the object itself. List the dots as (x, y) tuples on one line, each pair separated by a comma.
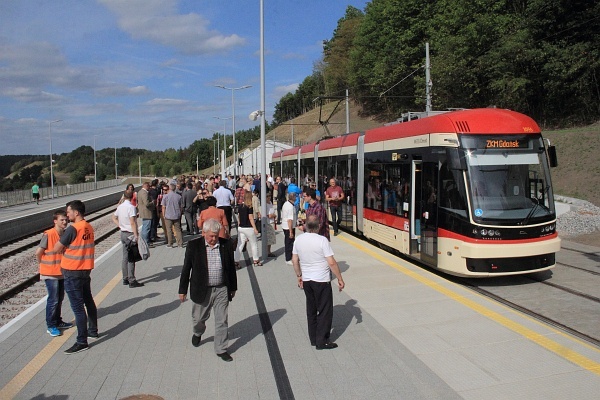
[(509, 186)]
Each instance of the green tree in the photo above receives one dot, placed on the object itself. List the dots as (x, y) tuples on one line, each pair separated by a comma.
[(336, 51)]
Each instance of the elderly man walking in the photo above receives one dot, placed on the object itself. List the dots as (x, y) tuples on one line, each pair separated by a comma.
[(313, 263), (209, 271)]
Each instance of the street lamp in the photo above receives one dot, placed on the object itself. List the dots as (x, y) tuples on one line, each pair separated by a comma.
[(224, 142), (263, 154), (51, 160), (95, 174), (233, 122), (116, 175)]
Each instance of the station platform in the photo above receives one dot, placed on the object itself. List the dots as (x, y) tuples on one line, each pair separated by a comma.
[(403, 333), (23, 210)]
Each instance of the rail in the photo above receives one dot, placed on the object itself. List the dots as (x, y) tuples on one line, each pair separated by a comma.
[(16, 197)]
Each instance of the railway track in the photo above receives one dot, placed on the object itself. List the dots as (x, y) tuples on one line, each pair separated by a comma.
[(537, 315), (21, 286), (566, 297), (16, 247)]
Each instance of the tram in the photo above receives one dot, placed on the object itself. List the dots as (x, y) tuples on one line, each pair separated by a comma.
[(467, 192)]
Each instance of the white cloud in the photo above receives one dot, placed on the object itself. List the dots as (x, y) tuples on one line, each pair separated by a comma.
[(281, 91), (158, 22), (167, 102), (39, 72)]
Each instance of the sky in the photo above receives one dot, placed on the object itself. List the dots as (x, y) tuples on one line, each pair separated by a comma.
[(142, 73)]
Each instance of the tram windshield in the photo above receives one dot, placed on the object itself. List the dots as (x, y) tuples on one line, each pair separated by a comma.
[(509, 180)]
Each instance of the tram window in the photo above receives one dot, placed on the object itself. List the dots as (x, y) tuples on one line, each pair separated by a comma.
[(387, 187), (452, 190)]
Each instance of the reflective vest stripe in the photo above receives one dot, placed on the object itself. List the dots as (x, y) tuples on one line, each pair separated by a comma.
[(85, 246), (83, 257)]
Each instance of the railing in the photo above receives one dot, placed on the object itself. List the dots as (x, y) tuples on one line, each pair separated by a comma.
[(24, 196)]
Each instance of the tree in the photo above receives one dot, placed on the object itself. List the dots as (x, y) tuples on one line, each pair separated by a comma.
[(336, 51)]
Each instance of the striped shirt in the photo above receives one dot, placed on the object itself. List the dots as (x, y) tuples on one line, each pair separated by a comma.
[(317, 209), (215, 268)]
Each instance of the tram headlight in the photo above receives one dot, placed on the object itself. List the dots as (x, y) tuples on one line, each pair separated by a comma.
[(484, 232)]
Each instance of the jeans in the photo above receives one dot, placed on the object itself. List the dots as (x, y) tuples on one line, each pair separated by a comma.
[(146, 225), (78, 288), (56, 294), (336, 217)]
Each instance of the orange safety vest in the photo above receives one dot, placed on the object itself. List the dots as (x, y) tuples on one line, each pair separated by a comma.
[(50, 260), (79, 254)]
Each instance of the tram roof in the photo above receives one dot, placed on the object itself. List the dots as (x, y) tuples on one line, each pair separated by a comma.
[(340, 141), (475, 121), (307, 148)]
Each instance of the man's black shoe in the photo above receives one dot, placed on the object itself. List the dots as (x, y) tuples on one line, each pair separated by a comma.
[(196, 340), (76, 348), (134, 284), (327, 346), (126, 282), (225, 357)]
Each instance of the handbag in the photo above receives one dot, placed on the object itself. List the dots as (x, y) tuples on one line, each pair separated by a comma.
[(258, 225), (133, 253)]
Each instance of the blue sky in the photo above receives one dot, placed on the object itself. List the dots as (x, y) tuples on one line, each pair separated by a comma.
[(141, 73)]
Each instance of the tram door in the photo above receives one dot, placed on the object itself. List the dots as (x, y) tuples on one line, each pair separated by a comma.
[(423, 215)]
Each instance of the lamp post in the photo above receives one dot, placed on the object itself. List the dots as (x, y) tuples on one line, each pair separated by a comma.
[(263, 153), (233, 122), (95, 164), (214, 156), (51, 160), (224, 142), (116, 175)]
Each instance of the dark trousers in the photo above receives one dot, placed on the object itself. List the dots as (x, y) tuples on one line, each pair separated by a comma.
[(288, 244), (154, 226), (77, 286), (228, 215), (319, 311), (280, 203), (336, 217), (191, 227)]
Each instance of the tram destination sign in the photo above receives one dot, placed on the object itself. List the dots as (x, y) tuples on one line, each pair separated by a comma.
[(505, 144)]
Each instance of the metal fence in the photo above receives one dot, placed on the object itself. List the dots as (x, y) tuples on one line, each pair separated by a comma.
[(24, 196)]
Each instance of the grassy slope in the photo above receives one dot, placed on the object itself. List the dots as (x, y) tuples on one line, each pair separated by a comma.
[(578, 171)]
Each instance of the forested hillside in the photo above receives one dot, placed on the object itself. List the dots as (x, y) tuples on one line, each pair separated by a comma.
[(539, 57)]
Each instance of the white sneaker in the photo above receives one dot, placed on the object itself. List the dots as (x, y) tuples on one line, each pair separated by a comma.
[(289, 263)]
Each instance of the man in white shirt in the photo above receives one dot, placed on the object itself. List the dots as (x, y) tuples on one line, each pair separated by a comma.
[(288, 223), (313, 263), (125, 218), (224, 200)]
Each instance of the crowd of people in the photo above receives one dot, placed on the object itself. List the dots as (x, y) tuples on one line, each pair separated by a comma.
[(210, 207)]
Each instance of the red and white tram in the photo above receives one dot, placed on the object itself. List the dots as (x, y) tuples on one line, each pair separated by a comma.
[(467, 192)]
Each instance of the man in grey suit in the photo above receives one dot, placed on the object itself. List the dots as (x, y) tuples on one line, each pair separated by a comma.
[(209, 271)]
